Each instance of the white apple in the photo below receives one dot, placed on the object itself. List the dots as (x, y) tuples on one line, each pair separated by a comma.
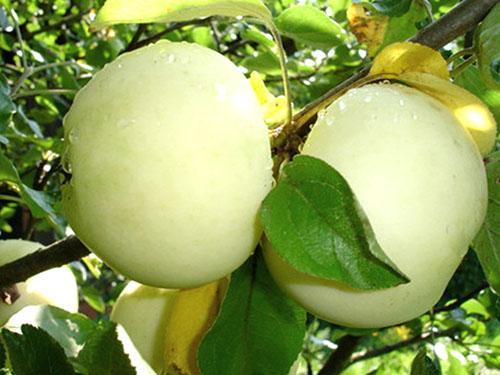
[(144, 312), (56, 287), (170, 160), (421, 181)]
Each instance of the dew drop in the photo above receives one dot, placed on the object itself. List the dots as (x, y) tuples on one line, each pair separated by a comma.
[(401, 102), (321, 114), (72, 136), (368, 99), (414, 116), (330, 121), (120, 66), (342, 105), (125, 123)]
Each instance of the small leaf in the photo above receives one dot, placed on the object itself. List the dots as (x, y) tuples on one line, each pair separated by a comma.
[(35, 352), (103, 353), (368, 28), (314, 222), (487, 242), (69, 330), (309, 25), (390, 7), (7, 108), (488, 48), (424, 365), (404, 57), (258, 331), (161, 11), (39, 203)]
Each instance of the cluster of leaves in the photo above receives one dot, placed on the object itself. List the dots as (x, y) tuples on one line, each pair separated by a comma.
[(48, 52)]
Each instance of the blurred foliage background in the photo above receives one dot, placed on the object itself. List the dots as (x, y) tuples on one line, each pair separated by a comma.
[(48, 52)]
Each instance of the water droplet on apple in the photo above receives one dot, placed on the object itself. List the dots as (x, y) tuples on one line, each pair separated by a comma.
[(367, 99), (401, 102), (342, 105), (125, 123)]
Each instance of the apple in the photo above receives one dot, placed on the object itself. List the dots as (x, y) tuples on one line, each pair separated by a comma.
[(144, 312), (56, 287), (421, 181), (170, 160)]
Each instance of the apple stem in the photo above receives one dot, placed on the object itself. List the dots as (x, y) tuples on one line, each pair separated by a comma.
[(284, 72)]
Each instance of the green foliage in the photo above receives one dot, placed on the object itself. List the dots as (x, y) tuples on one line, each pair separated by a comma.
[(304, 229), (35, 352), (487, 242), (259, 328), (424, 365), (488, 48), (103, 353), (311, 26)]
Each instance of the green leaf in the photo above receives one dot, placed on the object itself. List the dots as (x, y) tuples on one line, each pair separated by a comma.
[(400, 28), (136, 11), (39, 203), (103, 353), (309, 25), (314, 222), (393, 8), (35, 352), (69, 330), (487, 44), (258, 331), (266, 63), (3, 356), (94, 298), (424, 365), (456, 367), (487, 242), (7, 108)]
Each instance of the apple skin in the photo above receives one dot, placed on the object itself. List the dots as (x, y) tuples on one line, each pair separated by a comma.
[(56, 287), (144, 312), (170, 161), (421, 181)]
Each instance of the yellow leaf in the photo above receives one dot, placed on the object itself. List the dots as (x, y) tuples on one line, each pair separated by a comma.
[(367, 28), (145, 11), (274, 109), (399, 58), (470, 111), (193, 313)]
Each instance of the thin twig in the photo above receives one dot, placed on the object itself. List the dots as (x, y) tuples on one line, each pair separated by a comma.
[(62, 252), (13, 14), (26, 94)]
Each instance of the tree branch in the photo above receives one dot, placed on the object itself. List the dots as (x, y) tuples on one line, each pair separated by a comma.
[(450, 332), (55, 255), (340, 358), (462, 299), (465, 16)]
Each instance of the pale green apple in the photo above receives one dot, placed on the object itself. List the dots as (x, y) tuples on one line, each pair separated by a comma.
[(56, 287), (144, 312), (170, 160), (421, 181)]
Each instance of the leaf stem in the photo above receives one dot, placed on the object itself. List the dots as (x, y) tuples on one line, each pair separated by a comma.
[(14, 16), (284, 74), (460, 68), (43, 92), (4, 197), (464, 52)]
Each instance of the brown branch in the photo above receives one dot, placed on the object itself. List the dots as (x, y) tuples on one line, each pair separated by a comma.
[(340, 358), (55, 26), (402, 344), (456, 22), (176, 26), (460, 300), (55, 255)]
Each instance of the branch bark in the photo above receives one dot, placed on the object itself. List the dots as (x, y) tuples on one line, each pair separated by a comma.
[(460, 19), (55, 255), (340, 358)]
